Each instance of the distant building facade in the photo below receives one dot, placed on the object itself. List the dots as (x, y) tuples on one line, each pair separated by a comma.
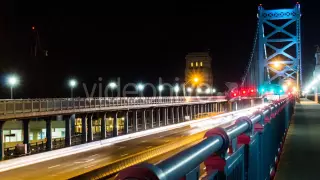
[(198, 64)]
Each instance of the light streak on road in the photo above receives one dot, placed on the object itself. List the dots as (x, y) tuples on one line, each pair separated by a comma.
[(200, 123)]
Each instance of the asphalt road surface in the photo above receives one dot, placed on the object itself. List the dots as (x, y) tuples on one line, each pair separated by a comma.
[(70, 166)]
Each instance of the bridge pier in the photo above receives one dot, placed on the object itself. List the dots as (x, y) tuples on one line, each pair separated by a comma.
[(158, 117), (150, 118), (186, 113), (144, 119), (26, 133), (182, 113), (172, 115), (115, 124), (177, 114), (84, 136), (135, 120), (68, 137), (103, 126), (167, 115), (201, 108), (194, 111), (1, 140), (190, 112), (126, 122), (48, 134), (89, 127), (164, 116)]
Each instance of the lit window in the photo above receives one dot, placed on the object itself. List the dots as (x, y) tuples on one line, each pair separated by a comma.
[(201, 64), (196, 64), (192, 64)]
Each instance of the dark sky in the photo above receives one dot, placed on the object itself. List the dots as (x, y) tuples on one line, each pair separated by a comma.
[(135, 41)]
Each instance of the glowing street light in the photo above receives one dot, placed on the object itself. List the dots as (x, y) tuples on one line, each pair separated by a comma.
[(160, 88), (176, 89), (112, 86), (195, 79), (208, 90), (276, 64), (140, 88), (72, 83), (12, 82), (199, 90), (189, 90), (214, 90)]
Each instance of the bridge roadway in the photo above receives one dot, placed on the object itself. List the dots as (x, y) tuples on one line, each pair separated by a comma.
[(74, 165), (70, 166), (301, 153)]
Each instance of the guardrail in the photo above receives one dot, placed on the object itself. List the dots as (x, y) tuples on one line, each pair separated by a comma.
[(17, 106), (249, 149)]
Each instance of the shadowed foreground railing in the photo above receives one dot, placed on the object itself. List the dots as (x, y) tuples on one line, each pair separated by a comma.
[(249, 149)]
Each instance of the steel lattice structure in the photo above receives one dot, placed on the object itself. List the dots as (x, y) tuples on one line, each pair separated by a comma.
[(280, 46)]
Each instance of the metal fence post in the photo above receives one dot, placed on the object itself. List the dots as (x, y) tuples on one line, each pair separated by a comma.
[(22, 106), (14, 107)]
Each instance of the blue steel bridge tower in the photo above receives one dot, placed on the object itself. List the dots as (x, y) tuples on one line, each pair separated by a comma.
[(276, 54)]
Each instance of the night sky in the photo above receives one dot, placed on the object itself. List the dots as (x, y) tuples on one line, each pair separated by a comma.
[(135, 41)]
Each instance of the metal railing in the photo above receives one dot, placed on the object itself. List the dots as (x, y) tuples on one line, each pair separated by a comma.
[(249, 149), (17, 106)]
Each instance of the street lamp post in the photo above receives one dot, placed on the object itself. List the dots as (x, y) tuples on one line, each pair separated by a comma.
[(195, 80), (12, 81), (112, 85), (72, 84)]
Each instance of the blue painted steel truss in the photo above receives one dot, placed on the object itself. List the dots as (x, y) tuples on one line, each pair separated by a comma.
[(289, 63)]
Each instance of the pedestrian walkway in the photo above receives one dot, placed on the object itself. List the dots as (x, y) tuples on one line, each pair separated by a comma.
[(301, 153)]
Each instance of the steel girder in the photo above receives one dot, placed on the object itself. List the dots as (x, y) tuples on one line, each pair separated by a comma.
[(290, 63)]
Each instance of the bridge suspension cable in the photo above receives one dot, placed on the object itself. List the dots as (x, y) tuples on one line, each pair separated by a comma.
[(251, 55)]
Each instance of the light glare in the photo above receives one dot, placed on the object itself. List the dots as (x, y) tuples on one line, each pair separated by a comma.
[(176, 88), (160, 87), (112, 85), (208, 91), (72, 83), (189, 89), (12, 80), (140, 87)]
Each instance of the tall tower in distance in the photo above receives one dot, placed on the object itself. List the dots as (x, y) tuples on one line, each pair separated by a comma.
[(198, 70)]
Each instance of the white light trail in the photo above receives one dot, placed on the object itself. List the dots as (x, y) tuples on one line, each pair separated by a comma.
[(37, 158)]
